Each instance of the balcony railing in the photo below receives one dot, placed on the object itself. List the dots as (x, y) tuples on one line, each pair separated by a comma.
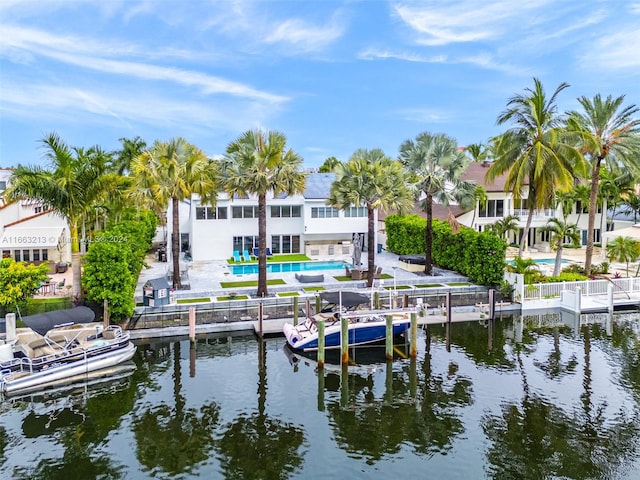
[(545, 213)]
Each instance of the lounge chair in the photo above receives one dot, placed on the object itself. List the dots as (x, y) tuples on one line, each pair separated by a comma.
[(347, 270), (247, 257), (378, 273), (256, 252), (269, 254), (236, 256)]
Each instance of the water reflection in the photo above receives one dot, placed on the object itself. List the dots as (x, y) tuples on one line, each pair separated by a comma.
[(542, 396)]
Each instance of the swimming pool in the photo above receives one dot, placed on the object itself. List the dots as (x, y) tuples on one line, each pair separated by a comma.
[(288, 267)]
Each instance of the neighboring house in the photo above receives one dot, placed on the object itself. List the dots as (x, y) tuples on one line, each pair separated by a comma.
[(30, 232), (295, 224), (501, 203)]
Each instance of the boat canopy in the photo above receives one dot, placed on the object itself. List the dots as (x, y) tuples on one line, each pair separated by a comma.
[(43, 322), (349, 300)]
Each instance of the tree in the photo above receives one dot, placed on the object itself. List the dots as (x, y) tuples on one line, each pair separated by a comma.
[(480, 197), (123, 158), (329, 165), (258, 163), (477, 152), (168, 173), (536, 151), (73, 182), (623, 249), (505, 225), (18, 282), (438, 166), (561, 230), (374, 181), (609, 132)]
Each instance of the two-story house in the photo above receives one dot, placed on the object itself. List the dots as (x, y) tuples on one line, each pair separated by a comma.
[(295, 224)]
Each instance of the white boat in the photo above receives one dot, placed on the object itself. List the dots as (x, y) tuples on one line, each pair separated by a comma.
[(55, 353), (364, 326)]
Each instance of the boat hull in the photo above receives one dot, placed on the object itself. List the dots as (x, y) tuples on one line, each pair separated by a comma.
[(66, 373), (358, 334)]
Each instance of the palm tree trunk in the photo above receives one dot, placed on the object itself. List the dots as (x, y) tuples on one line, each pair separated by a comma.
[(175, 242), (371, 259), (76, 263), (593, 198), (556, 268), (262, 245), (525, 234), (428, 236)]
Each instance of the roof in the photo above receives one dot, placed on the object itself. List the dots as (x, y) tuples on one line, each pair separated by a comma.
[(318, 185), (31, 237), (476, 171), (157, 283), (43, 322), (632, 231)]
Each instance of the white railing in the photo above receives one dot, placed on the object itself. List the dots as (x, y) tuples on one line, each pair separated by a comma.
[(542, 291), (524, 213)]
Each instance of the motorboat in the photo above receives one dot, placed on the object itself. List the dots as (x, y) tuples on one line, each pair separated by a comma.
[(365, 326), (60, 348)]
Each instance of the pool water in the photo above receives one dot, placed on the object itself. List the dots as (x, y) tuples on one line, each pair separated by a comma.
[(289, 267)]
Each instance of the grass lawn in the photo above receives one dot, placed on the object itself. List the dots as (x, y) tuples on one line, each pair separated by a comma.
[(251, 283), (234, 297), (313, 289), (398, 287), (288, 294), (386, 276), (459, 284), (193, 300), (429, 285), (343, 278), (41, 305)]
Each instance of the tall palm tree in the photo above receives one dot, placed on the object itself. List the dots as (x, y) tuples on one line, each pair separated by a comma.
[(73, 181), (258, 163), (438, 165), (609, 132), (372, 180), (561, 230), (169, 173), (536, 151), (477, 152), (123, 158), (623, 249)]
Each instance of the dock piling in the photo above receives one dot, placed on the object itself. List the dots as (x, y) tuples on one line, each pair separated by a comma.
[(389, 338), (192, 324), (320, 325)]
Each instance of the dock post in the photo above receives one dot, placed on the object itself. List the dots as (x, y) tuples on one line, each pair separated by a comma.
[(448, 306), (413, 336), (10, 326), (260, 317), (492, 304), (320, 374), (320, 325), (192, 359), (105, 313), (389, 338), (376, 300), (388, 383), (318, 303), (413, 377), (192, 324), (406, 301), (610, 297), (295, 311), (307, 306), (344, 340)]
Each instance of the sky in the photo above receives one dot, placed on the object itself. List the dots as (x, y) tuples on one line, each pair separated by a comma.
[(333, 76)]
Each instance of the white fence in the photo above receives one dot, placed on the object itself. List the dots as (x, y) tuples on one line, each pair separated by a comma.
[(543, 291)]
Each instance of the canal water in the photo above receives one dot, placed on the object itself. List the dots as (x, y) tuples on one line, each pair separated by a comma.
[(514, 398)]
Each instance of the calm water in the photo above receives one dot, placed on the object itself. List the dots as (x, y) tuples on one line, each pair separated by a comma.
[(508, 399), (288, 267)]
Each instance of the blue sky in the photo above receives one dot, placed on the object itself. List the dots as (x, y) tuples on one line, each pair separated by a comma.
[(333, 76)]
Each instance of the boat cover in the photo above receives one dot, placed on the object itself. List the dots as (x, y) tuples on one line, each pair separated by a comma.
[(43, 322), (349, 299)]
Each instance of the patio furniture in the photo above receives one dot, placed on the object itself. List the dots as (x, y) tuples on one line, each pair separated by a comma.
[(246, 256), (236, 256), (269, 254), (310, 278), (256, 252), (356, 274), (378, 273)]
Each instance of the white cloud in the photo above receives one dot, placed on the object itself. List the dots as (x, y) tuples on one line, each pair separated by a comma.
[(423, 115), (303, 36)]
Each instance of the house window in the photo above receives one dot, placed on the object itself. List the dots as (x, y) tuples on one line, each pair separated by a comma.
[(285, 211), (285, 244), (356, 212), (245, 243), (36, 255), (582, 207), (26, 255), (545, 236), (244, 212), (3, 185), (324, 212), (45, 255), (211, 213), (16, 255), (492, 208)]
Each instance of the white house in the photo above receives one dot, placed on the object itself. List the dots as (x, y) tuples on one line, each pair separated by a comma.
[(29, 231), (295, 224)]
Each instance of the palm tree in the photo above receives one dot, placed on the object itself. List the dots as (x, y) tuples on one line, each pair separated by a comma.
[(561, 230), (477, 152), (536, 152), (480, 197), (438, 166), (258, 163), (169, 173), (610, 133), (623, 249), (502, 227), (73, 182), (123, 158), (372, 180)]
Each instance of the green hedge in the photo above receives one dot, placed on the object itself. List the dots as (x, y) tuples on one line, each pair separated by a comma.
[(113, 263), (479, 256)]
